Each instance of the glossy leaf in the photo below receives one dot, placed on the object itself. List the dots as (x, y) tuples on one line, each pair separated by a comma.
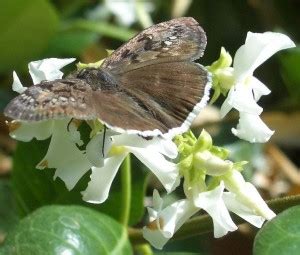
[(67, 230)]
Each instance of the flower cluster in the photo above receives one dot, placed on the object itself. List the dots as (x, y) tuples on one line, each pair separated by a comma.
[(207, 173), (210, 180), (244, 90), (65, 137)]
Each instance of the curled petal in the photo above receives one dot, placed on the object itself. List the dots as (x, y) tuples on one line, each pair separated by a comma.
[(241, 98), (17, 85), (212, 202), (256, 50), (251, 128), (259, 89), (168, 221), (70, 163), (166, 171), (246, 194), (26, 131), (241, 210), (101, 180), (48, 69)]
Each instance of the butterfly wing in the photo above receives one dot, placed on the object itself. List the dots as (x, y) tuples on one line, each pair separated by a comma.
[(162, 89), (158, 99), (149, 86), (175, 40), (53, 100)]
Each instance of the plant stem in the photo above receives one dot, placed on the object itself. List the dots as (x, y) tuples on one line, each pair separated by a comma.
[(125, 190), (101, 28), (203, 224)]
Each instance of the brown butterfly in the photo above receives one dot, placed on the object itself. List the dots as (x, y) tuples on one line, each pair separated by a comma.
[(149, 86)]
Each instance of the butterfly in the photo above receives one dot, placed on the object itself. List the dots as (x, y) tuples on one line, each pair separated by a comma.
[(149, 86)]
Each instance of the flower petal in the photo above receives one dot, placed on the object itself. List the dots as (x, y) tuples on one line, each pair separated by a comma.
[(241, 98), (70, 163), (101, 179), (95, 146), (157, 201), (17, 85), (168, 221), (48, 69), (26, 131), (166, 171), (212, 202), (241, 210), (162, 145), (251, 128), (256, 50), (227, 106), (259, 89), (124, 11)]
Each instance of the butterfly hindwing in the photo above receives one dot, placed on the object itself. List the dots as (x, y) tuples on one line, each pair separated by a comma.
[(175, 40), (157, 97)]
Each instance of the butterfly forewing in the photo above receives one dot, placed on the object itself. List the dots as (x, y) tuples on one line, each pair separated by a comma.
[(175, 40), (53, 100)]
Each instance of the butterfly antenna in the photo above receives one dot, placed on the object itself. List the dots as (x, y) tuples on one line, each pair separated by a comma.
[(68, 129), (68, 126), (103, 141)]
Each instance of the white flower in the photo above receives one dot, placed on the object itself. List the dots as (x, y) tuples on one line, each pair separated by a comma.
[(164, 222), (125, 11), (71, 162), (39, 70), (242, 199), (246, 89), (150, 152)]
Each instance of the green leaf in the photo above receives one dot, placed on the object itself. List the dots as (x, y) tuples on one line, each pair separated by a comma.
[(8, 215), (67, 230), (25, 30), (34, 188), (280, 235)]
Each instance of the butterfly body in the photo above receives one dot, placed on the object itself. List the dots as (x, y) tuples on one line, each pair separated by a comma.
[(149, 86)]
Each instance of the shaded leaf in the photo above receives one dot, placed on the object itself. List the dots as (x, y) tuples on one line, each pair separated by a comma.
[(26, 27), (280, 235)]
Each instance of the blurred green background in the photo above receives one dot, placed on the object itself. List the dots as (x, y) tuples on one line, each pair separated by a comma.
[(37, 29)]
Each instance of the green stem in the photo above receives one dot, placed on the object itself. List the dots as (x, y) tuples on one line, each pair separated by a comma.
[(143, 16), (125, 190), (101, 28), (203, 224)]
